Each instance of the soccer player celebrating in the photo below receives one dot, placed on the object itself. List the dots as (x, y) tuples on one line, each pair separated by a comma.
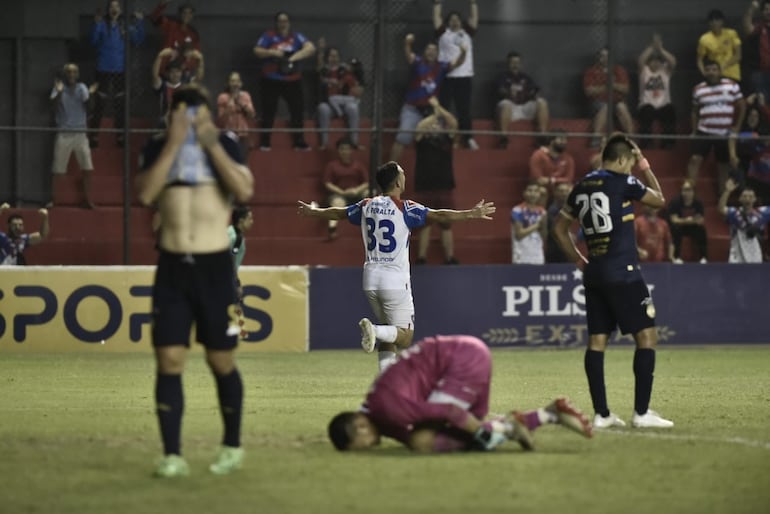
[(435, 398), (386, 222), (615, 292)]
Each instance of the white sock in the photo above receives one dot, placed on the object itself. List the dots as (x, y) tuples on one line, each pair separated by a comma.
[(546, 416), (385, 360), (386, 333)]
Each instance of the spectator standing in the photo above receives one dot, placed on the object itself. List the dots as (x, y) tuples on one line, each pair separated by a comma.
[(340, 93), (109, 36), (235, 111), (685, 219), (747, 223), (345, 179), (721, 45), (529, 223), (434, 179), (553, 253), (656, 64), (519, 100), (280, 51), (551, 165), (595, 83), (426, 74), (165, 84), (189, 60), (453, 33), (653, 237), (717, 110), (15, 242), (756, 51), (69, 99), (176, 31)]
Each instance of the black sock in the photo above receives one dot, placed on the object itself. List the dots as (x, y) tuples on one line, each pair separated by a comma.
[(594, 366), (644, 367), (169, 405), (230, 390)]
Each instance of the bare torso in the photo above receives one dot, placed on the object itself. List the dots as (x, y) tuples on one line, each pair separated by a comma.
[(194, 219)]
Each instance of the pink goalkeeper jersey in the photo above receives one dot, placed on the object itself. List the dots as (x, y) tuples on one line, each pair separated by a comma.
[(386, 223), (455, 366)]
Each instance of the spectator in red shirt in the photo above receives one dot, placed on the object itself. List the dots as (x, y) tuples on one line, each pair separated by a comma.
[(235, 111), (346, 180), (685, 217), (551, 165), (595, 81), (176, 31), (653, 238)]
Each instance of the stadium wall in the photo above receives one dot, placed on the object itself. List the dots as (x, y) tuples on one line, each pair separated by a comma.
[(296, 309)]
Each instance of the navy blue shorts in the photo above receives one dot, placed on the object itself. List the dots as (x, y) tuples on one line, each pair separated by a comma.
[(195, 288), (625, 305)]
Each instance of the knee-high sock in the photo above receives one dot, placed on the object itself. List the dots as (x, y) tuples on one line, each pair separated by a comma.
[(169, 404), (644, 368), (594, 366), (230, 392)]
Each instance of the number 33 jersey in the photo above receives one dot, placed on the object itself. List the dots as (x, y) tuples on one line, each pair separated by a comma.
[(386, 224), (601, 202)]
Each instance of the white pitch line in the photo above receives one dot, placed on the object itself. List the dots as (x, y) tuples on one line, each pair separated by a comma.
[(742, 441)]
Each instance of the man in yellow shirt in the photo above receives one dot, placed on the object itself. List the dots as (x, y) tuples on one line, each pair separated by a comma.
[(722, 45)]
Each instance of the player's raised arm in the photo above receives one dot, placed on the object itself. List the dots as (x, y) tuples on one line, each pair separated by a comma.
[(481, 211), (326, 213), (654, 194)]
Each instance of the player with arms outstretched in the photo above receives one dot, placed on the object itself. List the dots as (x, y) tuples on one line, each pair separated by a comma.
[(615, 291), (386, 222)]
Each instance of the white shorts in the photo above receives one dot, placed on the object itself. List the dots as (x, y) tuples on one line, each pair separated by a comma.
[(65, 144), (525, 111), (393, 307)]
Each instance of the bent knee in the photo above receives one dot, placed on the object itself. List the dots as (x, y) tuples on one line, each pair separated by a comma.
[(422, 441)]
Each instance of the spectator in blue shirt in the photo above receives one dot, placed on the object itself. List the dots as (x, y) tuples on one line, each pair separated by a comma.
[(280, 51), (108, 36), (15, 242)]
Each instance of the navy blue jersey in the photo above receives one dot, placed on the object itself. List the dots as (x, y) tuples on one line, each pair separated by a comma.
[(601, 202), (192, 165)]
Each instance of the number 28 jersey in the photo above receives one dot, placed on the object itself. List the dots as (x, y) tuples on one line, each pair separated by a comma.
[(601, 202), (386, 224)]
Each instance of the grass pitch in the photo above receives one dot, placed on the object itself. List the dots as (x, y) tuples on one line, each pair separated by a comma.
[(78, 435)]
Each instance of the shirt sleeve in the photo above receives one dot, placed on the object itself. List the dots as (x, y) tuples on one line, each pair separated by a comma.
[(355, 211), (634, 189), (698, 207), (517, 215), (536, 168), (415, 214), (732, 216), (299, 41), (263, 41), (229, 142)]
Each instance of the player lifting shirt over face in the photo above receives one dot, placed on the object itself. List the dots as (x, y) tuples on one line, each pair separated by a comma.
[(193, 172)]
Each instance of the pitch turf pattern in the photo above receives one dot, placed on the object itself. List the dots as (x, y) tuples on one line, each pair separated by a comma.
[(78, 435)]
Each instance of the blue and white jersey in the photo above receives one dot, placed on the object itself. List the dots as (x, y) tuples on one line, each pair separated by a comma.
[(745, 248), (386, 224), (12, 250)]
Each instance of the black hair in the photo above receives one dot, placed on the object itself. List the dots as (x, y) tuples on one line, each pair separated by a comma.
[(715, 14), (386, 175), (186, 5), (618, 145), (239, 213), (449, 15), (557, 133), (710, 62), (279, 14), (190, 94), (512, 54), (174, 65), (328, 50), (340, 428), (344, 141), (13, 217)]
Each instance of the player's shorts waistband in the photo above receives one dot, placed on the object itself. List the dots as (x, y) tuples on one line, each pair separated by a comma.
[(194, 258)]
